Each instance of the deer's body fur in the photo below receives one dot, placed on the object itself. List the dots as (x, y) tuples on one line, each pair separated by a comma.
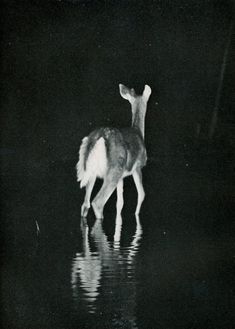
[(110, 147)]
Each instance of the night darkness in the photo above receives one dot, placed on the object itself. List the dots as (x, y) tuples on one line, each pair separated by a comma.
[(61, 63)]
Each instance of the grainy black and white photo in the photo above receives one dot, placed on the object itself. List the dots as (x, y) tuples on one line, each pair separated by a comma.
[(117, 164)]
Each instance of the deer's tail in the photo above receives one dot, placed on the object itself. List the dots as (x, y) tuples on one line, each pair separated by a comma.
[(92, 160)]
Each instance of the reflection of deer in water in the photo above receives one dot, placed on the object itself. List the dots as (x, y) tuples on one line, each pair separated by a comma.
[(92, 271), (112, 154)]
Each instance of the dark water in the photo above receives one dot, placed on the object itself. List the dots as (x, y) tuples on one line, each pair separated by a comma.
[(171, 268)]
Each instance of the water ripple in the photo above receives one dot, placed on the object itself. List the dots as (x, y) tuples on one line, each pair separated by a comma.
[(105, 280)]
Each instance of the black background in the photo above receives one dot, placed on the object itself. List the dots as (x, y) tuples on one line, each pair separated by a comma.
[(61, 63)]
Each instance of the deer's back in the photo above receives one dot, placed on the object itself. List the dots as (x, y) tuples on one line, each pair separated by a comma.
[(124, 147)]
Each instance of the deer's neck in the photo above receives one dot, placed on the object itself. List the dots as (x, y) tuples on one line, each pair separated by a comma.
[(138, 116)]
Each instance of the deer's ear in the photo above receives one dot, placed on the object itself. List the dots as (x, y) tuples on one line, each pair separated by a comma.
[(127, 93), (147, 92)]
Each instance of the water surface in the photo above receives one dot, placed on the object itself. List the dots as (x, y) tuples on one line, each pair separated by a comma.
[(171, 268)]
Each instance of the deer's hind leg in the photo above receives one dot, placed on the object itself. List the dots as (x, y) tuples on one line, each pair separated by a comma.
[(137, 175), (86, 204), (109, 185)]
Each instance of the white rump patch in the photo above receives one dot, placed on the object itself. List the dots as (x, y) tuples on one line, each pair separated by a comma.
[(80, 165), (96, 164)]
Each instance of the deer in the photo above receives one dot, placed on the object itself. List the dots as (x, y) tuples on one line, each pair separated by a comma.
[(113, 154)]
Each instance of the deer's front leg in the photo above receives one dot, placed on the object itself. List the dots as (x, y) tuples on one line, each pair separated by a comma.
[(120, 200)]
